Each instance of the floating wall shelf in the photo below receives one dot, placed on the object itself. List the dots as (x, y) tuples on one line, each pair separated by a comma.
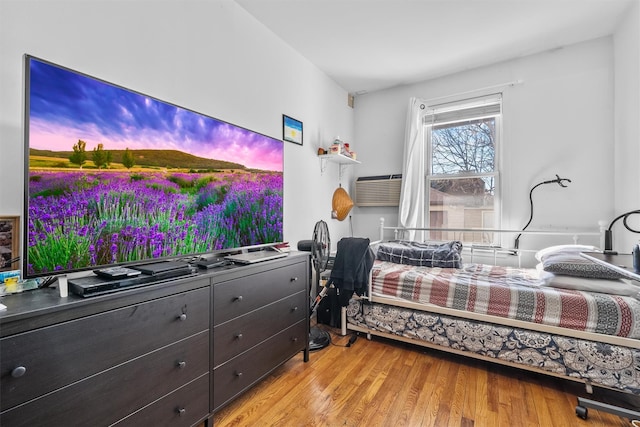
[(341, 159)]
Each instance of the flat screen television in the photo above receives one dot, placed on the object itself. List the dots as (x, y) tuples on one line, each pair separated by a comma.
[(117, 177)]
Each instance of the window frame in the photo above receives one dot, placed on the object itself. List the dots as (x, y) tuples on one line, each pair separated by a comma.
[(428, 125)]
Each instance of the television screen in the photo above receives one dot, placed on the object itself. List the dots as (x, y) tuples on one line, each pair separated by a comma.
[(114, 176)]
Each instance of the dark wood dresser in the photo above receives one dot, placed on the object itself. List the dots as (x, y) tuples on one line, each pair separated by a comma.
[(259, 321), (170, 353)]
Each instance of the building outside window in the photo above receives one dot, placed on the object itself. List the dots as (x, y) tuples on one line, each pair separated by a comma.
[(462, 141)]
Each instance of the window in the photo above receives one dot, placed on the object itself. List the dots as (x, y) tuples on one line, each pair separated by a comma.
[(462, 141)]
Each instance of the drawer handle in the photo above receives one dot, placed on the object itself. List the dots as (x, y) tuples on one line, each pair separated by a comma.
[(238, 298), (239, 336), (182, 364), (238, 374), (294, 279), (18, 372), (294, 339), (181, 411), (294, 309), (182, 317)]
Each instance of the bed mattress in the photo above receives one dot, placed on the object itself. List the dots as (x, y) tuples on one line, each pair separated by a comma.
[(509, 292)]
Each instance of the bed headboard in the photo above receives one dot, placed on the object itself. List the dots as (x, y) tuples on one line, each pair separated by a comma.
[(485, 246)]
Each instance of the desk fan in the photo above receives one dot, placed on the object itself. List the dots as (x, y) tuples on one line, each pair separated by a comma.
[(320, 250)]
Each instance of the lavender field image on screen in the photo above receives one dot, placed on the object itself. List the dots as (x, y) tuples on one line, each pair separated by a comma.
[(115, 176)]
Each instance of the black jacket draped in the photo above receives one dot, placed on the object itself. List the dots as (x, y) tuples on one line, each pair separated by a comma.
[(351, 268)]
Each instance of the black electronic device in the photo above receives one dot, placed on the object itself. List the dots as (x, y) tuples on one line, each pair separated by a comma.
[(328, 310), (212, 263), (117, 272), (164, 267), (96, 285)]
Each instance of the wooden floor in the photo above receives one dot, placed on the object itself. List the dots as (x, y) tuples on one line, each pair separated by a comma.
[(385, 383)]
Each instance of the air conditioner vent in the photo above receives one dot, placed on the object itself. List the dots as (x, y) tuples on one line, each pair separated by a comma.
[(381, 190)]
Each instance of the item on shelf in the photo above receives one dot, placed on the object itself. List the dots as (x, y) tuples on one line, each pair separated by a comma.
[(340, 147), (9, 282), (7, 276), (21, 286), (337, 147), (282, 247), (346, 150)]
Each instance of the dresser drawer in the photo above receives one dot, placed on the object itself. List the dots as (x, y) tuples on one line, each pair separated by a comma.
[(115, 393), (184, 407), (235, 336), (240, 296), (240, 373), (51, 357)]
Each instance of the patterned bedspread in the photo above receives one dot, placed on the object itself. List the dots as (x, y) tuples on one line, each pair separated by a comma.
[(510, 293)]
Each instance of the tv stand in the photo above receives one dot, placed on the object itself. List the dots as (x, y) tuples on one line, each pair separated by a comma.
[(170, 353)]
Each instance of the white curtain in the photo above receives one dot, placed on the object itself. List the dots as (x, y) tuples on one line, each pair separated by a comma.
[(412, 194)]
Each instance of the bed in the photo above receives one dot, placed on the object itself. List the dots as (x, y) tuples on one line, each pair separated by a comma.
[(587, 329)]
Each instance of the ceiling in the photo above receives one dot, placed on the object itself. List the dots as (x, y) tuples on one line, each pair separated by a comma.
[(369, 45)]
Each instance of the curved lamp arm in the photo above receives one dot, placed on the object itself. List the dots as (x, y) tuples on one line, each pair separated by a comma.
[(559, 181), (608, 234)]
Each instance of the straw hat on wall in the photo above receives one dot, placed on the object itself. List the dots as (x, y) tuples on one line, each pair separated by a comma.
[(341, 204)]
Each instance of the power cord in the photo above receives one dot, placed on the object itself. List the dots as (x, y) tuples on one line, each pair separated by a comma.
[(352, 340), (333, 335), (47, 281)]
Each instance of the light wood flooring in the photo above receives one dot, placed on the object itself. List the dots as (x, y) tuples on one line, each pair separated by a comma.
[(385, 383)]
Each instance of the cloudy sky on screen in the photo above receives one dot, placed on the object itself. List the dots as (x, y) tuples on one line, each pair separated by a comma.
[(67, 106)]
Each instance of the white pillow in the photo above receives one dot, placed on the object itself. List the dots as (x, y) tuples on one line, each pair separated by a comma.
[(605, 286), (565, 248), (566, 260)]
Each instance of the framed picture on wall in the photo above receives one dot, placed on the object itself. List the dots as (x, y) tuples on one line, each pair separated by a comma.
[(291, 129), (9, 242)]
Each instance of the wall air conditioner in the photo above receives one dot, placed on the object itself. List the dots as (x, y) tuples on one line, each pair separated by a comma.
[(381, 190)]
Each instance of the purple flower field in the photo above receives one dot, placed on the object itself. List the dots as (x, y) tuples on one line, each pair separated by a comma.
[(85, 219)]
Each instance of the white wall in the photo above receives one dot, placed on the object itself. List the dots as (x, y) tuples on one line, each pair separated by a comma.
[(627, 127), (208, 56), (560, 120)]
